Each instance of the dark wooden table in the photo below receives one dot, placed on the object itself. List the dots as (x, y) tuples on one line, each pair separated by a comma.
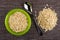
[(7, 5)]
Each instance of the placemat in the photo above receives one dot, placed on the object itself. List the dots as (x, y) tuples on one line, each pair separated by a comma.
[(7, 5)]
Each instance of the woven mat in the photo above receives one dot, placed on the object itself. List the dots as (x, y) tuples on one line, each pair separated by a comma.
[(7, 5)]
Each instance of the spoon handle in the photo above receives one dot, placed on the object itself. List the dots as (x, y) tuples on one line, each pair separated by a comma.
[(36, 26)]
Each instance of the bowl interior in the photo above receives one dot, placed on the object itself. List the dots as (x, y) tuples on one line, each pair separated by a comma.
[(7, 19)]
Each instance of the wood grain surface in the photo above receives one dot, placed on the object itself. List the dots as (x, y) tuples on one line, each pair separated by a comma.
[(7, 5)]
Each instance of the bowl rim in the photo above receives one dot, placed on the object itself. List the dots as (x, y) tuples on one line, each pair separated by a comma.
[(7, 24)]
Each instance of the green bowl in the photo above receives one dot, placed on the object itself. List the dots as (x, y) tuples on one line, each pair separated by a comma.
[(7, 24)]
